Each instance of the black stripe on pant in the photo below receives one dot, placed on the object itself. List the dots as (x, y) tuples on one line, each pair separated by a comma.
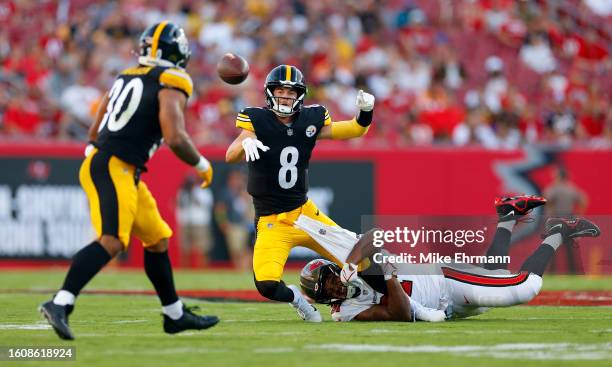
[(107, 193)]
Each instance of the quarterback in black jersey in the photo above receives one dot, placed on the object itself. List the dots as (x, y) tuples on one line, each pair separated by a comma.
[(277, 142), (144, 106)]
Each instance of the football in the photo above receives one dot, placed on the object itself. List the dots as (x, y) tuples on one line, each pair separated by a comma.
[(232, 68)]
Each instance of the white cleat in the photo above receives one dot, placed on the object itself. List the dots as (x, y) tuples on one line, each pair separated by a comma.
[(305, 310)]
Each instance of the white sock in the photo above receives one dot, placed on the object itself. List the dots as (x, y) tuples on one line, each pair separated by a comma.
[(297, 296), (509, 225), (174, 311), (554, 240), (63, 298)]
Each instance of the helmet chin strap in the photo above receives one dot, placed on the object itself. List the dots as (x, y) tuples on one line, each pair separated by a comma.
[(281, 110)]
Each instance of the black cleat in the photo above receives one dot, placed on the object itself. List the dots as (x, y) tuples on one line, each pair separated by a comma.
[(189, 321), (57, 316), (510, 208), (571, 228)]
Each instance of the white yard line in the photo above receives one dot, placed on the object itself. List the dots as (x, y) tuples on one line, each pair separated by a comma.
[(534, 351)]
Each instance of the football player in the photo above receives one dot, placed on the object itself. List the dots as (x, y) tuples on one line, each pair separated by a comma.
[(277, 141), (143, 108), (442, 292)]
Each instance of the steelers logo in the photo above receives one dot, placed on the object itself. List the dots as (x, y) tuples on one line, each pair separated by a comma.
[(310, 131)]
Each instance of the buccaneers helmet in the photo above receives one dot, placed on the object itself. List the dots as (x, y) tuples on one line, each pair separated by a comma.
[(313, 276), (164, 44), (285, 76)]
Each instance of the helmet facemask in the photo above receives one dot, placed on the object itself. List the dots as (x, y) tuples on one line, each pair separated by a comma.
[(282, 110), (314, 283)]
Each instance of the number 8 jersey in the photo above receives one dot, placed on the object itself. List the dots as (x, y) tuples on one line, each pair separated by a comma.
[(278, 181), (130, 128)]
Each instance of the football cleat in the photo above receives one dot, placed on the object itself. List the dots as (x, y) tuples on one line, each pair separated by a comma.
[(571, 228), (510, 208), (57, 316), (304, 309), (189, 321)]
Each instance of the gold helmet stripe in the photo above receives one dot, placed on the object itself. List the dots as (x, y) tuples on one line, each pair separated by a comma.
[(156, 34), (288, 73)]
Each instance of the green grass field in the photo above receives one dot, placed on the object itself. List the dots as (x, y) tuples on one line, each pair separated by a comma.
[(126, 330)]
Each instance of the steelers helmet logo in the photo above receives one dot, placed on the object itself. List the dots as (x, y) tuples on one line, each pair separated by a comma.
[(310, 131)]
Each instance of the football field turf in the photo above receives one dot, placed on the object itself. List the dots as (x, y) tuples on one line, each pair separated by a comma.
[(117, 330)]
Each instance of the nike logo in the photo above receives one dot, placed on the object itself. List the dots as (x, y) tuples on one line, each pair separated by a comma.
[(509, 214), (466, 300)]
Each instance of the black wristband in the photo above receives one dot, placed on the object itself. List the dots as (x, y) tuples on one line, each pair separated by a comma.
[(364, 118)]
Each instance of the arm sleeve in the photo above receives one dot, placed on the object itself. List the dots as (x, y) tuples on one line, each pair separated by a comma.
[(341, 130)]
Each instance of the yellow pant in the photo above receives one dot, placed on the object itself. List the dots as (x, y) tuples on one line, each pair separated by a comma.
[(276, 236), (118, 206)]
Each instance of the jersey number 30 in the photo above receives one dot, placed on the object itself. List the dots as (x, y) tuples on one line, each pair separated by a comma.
[(288, 174), (117, 99)]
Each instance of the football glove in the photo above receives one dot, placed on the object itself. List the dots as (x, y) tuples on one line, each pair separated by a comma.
[(365, 101), (251, 146), (348, 276), (88, 149), (205, 171), (389, 269)]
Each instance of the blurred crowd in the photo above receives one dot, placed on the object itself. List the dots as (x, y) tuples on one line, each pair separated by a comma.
[(496, 73)]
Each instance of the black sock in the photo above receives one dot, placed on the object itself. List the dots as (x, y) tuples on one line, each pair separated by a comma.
[(85, 265), (276, 291), (158, 269), (499, 247), (538, 261)]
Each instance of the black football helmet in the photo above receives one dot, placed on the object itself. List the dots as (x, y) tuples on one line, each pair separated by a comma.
[(313, 276), (164, 44), (285, 76)]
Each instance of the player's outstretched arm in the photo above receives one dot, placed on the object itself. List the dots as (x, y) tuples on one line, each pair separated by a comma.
[(358, 126), (235, 152), (246, 146), (396, 309), (171, 105)]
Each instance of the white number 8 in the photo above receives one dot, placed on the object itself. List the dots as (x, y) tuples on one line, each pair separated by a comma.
[(288, 166)]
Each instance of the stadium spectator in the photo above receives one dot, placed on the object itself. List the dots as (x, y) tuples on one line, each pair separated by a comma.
[(194, 214), (394, 48), (565, 199), (537, 54), (235, 218)]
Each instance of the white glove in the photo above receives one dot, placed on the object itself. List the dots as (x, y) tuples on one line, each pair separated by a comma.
[(251, 146), (348, 275), (365, 101), (389, 269), (88, 149)]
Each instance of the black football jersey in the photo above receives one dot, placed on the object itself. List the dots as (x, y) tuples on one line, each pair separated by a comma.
[(278, 181), (130, 128)]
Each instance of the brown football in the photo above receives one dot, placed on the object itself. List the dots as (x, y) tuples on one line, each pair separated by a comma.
[(233, 69)]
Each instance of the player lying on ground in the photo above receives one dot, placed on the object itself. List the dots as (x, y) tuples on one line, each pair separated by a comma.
[(277, 142), (145, 103), (445, 292)]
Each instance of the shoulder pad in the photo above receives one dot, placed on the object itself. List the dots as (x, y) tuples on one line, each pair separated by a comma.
[(317, 108), (177, 79), (243, 120)]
